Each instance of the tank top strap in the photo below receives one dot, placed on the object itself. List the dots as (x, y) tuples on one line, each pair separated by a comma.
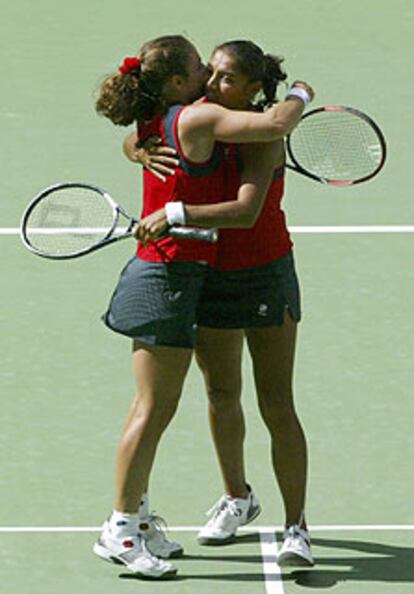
[(191, 168)]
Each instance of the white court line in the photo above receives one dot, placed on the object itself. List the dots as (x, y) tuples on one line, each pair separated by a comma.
[(259, 529), (317, 229), (268, 543), (354, 229), (271, 569)]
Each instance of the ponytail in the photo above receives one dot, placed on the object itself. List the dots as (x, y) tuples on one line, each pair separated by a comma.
[(123, 101), (273, 75), (135, 92)]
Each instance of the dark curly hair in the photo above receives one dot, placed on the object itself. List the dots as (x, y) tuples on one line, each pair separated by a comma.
[(137, 94)]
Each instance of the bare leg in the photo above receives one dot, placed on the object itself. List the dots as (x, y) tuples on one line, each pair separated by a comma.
[(218, 354), (272, 351), (160, 373)]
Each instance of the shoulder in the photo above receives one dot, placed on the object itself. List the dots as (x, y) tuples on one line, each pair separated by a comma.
[(201, 114)]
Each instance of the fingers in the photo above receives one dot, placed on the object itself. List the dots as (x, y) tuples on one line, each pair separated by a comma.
[(167, 161), (151, 227), (163, 166), (147, 235), (160, 171), (153, 145), (157, 175), (163, 150)]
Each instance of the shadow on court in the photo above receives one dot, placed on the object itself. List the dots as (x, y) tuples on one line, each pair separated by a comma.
[(211, 577), (215, 557), (385, 563)]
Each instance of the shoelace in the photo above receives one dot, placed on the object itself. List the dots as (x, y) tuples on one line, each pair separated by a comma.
[(158, 522), (222, 505), (293, 532), (131, 553), (158, 525)]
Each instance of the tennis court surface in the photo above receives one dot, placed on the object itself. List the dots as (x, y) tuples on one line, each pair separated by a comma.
[(66, 382)]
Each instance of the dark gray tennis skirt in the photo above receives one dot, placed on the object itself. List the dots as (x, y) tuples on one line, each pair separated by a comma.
[(254, 297), (156, 303)]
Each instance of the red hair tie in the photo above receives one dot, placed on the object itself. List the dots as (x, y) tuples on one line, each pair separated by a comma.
[(129, 65)]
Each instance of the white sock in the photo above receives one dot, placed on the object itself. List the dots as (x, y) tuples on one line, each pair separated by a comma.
[(143, 511), (124, 524)]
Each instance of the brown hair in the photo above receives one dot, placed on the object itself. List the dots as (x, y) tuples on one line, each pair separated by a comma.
[(257, 66), (138, 94)]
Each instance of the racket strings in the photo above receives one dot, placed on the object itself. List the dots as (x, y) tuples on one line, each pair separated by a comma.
[(69, 220), (337, 145)]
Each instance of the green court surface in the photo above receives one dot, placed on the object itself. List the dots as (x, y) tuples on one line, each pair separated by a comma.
[(66, 382)]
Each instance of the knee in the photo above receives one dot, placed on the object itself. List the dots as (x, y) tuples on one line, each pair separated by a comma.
[(156, 412), (224, 399), (277, 409)]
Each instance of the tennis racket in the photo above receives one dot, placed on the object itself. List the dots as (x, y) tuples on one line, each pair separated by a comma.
[(340, 146), (73, 219)]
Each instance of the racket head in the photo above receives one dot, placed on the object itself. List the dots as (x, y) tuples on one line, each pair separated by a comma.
[(68, 220), (337, 145)]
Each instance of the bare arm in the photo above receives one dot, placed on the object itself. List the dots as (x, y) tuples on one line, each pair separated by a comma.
[(219, 123), (258, 167), (159, 160), (260, 161), (202, 124)]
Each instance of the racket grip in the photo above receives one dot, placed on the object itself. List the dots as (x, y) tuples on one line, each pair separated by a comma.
[(197, 233)]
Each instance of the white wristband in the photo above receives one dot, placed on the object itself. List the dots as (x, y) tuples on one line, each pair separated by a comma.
[(175, 213), (300, 93)]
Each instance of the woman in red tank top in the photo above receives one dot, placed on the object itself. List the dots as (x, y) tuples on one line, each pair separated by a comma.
[(156, 299), (237, 301)]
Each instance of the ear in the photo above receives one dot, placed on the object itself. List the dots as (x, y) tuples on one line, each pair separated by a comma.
[(177, 81), (253, 88), (173, 88)]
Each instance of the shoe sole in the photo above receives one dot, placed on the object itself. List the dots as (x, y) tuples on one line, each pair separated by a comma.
[(292, 560), (211, 541), (105, 555), (207, 541), (174, 555)]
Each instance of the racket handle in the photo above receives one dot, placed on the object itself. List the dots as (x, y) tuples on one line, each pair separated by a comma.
[(198, 233)]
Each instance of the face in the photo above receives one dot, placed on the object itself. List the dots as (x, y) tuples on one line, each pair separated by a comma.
[(227, 85), (194, 85), (186, 89)]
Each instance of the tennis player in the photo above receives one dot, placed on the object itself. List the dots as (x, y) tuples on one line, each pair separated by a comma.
[(253, 288), (156, 299)]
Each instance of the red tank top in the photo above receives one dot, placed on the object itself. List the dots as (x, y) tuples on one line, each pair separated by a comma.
[(193, 183), (269, 239)]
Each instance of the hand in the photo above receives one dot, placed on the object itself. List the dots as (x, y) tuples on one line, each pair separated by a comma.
[(159, 160), (304, 85), (151, 227)]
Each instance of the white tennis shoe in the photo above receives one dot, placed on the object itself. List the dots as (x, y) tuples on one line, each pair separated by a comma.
[(152, 529), (131, 552), (296, 548), (227, 516)]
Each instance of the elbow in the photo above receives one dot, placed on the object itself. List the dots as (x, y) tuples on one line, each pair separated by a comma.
[(281, 126), (279, 130), (247, 214), (251, 221), (248, 220)]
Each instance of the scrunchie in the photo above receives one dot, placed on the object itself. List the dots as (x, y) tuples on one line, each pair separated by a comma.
[(129, 65)]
